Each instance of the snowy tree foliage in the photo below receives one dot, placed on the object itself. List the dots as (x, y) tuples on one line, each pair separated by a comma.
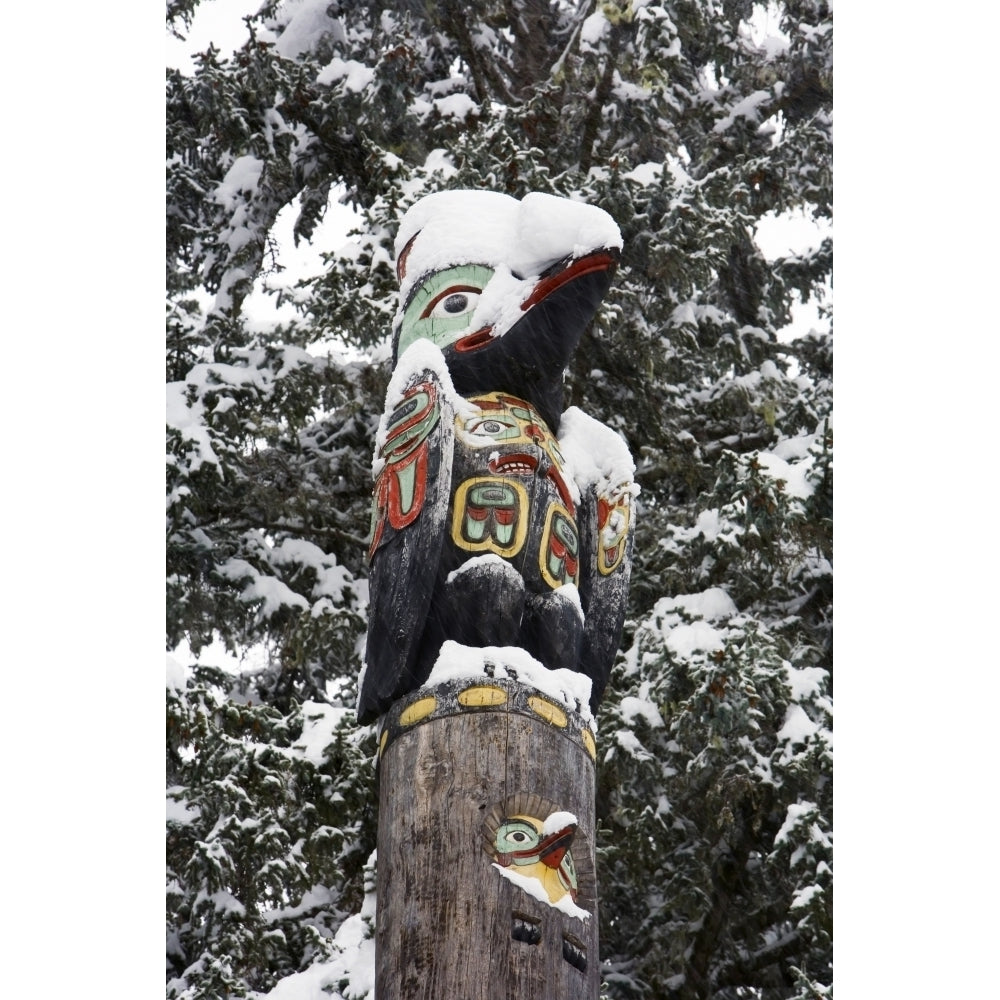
[(689, 121)]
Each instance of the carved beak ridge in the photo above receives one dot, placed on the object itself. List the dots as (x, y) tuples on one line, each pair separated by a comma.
[(552, 849)]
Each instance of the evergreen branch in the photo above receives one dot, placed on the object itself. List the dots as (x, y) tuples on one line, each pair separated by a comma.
[(595, 114)]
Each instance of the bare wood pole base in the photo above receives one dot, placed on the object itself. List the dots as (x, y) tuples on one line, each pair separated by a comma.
[(456, 760)]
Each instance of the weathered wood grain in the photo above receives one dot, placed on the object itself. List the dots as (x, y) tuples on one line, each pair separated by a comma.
[(449, 925)]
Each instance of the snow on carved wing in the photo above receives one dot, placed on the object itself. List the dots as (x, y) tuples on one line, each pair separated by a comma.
[(409, 514)]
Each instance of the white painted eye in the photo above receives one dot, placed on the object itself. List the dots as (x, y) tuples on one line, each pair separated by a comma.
[(453, 302), (516, 835)]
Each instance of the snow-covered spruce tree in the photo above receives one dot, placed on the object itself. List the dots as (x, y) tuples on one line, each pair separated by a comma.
[(689, 121)]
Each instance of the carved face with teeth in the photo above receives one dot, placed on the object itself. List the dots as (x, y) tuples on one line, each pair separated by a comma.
[(518, 440), (514, 486)]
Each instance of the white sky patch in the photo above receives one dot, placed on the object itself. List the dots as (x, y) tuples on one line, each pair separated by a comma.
[(220, 23), (764, 29), (296, 263), (790, 233), (795, 234), (215, 654)]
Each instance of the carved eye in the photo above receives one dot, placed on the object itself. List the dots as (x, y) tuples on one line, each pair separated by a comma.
[(454, 301), (492, 428), (454, 304), (516, 835)]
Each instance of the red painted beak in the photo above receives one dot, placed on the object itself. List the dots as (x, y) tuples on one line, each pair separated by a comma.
[(552, 849)]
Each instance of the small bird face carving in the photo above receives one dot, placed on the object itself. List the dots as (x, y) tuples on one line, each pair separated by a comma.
[(522, 841)]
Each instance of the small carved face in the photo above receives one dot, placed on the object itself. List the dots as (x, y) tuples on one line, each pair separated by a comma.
[(520, 842), (506, 421)]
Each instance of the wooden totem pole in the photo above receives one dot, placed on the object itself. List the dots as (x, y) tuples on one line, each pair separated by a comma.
[(500, 552)]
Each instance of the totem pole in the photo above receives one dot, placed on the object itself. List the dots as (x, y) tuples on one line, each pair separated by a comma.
[(500, 549)]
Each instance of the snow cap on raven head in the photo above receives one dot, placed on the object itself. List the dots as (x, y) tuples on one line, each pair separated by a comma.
[(505, 288)]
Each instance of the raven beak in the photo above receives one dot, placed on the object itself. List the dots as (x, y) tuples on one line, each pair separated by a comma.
[(552, 849), (600, 260)]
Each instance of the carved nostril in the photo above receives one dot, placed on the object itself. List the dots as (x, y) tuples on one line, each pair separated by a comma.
[(524, 928), (574, 953)]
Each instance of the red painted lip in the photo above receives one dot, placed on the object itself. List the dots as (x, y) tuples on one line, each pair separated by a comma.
[(475, 340), (513, 465), (601, 260)]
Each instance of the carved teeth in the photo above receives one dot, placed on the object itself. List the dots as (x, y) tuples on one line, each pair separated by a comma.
[(513, 465)]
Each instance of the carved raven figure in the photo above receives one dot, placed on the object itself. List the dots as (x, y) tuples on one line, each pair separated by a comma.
[(497, 519)]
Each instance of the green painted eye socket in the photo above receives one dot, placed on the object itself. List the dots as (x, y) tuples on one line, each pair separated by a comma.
[(441, 308), (516, 835)]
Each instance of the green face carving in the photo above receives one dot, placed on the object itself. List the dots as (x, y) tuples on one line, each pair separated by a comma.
[(442, 307)]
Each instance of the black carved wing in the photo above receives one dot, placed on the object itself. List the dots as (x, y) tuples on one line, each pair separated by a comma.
[(409, 523)]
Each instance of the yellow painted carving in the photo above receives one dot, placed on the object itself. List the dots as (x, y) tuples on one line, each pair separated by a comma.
[(482, 694), (382, 742), (557, 881), (417, 711), (548, 711), (588, 742), (506, 420), (572, 559), (612, 531), (489, 542)]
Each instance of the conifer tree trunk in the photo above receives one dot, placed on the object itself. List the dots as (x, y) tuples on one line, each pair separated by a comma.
[(458, 763)]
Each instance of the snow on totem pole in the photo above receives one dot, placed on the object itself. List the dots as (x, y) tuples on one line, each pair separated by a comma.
[(500, 550)]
